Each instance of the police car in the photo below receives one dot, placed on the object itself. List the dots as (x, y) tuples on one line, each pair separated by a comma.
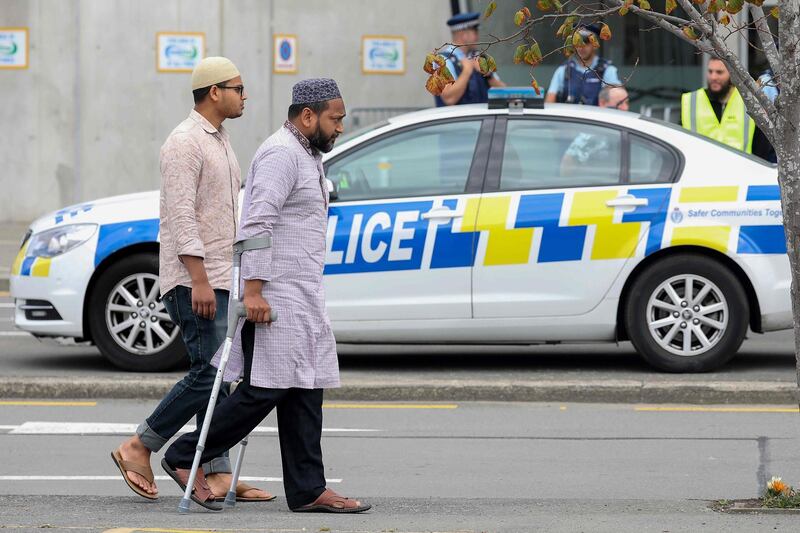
[(510, 222)]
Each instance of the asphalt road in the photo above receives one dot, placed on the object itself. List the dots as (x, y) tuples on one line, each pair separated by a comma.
[(765, 358), (428, 467)]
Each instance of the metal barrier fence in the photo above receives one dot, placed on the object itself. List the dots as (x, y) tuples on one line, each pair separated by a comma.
[(667, 113), (360, 117)]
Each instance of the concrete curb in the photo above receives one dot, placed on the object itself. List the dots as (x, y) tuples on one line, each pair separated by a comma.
[(607, 391)]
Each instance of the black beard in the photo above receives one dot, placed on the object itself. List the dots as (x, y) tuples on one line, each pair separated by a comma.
[(719, 95), (320, 142)]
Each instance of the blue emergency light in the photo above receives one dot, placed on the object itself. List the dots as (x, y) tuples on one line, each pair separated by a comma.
[(515, 98)]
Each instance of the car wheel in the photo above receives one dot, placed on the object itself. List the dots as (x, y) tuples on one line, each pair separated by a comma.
[(687, 313), (128, 320)]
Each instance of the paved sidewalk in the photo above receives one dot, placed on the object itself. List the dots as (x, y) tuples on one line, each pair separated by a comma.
[(10, 236)]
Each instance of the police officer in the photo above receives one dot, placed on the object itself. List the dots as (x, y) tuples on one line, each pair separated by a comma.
[(718, 112), (470, 86), (579, 79)]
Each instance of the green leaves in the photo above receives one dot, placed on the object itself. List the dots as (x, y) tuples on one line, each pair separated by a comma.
[(544, 5), (605, 32), (566, 27), (486, 64), (533, 56), (644, 4), (489, 10), (689, 32), (624, 9), (521, 16), (440, 75), (734, 6), (670, 6), (775, 12), (519, 54), (715, 6)]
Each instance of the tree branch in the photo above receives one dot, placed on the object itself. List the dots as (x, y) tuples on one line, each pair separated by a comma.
[(767, 39)]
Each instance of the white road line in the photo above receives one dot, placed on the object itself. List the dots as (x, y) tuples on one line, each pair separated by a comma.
[(89, 428), (14, 334), (118, 477), (7, 306)]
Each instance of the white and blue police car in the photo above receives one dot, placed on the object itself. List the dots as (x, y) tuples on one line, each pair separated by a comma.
[(511, 222)]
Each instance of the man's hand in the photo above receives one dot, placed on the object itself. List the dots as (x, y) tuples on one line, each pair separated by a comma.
[(258, 310), (468, 65), (204, 301)]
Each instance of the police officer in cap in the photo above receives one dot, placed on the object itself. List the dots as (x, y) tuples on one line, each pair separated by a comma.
[(470, 87), (579, 79)]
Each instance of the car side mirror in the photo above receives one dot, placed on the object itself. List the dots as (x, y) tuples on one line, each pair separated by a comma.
[(333, 192)]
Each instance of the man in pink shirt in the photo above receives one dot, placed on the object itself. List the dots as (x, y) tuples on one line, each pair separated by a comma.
[(200, 179)]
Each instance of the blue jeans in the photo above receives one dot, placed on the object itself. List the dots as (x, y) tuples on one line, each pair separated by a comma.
[(189, 396)]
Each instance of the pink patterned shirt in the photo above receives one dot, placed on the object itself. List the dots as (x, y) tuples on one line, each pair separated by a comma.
[(200, 181)]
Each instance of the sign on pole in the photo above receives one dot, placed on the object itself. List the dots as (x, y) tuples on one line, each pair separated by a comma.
[(284, 56), (383, 54), (179, 51), (13, 48)]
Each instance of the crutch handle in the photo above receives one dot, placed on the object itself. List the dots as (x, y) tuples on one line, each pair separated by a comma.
[(242, 312)]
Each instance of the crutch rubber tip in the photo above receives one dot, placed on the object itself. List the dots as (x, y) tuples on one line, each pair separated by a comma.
[(230, 499), (273, 315), (183, 507)]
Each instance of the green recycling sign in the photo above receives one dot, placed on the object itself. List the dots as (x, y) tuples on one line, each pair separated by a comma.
[(13, 48)]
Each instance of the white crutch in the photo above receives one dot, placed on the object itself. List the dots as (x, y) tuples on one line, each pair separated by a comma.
[(234, 314)]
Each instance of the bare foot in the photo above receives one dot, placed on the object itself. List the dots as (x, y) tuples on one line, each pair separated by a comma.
[(135, 451), (221, 483)]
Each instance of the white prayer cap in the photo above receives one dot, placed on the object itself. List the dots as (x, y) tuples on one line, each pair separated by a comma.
[(213, 70)]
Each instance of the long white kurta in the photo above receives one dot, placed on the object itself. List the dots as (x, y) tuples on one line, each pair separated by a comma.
[(286, 199)]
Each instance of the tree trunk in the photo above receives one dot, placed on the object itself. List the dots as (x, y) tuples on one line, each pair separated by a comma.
[(788, 150)]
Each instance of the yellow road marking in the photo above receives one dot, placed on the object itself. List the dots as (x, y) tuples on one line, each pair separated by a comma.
[(562, 408), (720, 409), (49, 403), (166, 530), (388, 406)]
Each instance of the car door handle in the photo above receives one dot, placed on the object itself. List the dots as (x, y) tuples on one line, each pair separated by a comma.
[(441, 212), (627, 200)]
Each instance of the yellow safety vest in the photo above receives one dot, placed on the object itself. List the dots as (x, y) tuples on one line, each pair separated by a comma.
[(736, 128)]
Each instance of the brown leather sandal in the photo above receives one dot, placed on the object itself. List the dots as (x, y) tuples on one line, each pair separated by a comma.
[(201, 492), (143, 470), (330, 502)]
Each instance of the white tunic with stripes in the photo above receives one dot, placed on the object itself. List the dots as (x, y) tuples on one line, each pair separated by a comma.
[(286, 198)]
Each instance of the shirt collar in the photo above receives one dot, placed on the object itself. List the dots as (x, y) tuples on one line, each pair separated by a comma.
[(304, 142), (205, 124)]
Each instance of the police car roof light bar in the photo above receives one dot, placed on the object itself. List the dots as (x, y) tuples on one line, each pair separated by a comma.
[(514, 98)]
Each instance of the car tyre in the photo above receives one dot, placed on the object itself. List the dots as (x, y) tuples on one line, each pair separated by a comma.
[(659, 316), (128, 321)]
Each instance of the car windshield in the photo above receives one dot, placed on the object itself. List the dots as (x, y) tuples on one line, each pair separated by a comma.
[(677, 127)]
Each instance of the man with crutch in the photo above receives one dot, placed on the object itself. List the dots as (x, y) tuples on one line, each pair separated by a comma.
[(200, 180), (287, 363)]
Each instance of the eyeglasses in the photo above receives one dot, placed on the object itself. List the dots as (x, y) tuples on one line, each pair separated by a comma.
[(238, 88)]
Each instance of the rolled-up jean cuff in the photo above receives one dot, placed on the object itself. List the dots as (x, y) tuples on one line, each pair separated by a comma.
[(218, 465), (152, 440)]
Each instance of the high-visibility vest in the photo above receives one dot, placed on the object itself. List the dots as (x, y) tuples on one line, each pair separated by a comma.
[(736, 128)]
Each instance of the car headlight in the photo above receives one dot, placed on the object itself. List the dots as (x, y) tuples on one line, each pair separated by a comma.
[(57, 241)]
